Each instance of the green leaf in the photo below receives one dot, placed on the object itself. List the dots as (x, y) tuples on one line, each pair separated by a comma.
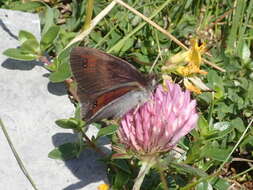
[(28, 6), (48, 19), (129, 43), (237, 23), (121, 164), (214, 135), (109, 130), (220, 184), (63, 56), (96, 36), (78, 112), (172, 184), (49, 37), (66, 151), (238, 124), (61, 74), (247, 143), (114, 38), (203, 126), (216, 153), (184, 168), (31, 46), (70, 123), (250, 65), (142, 58), (53, 66), (214, 79), (204, 186), (194, 152), (121, 179), (219, 91), (19, 55), (25, 35)]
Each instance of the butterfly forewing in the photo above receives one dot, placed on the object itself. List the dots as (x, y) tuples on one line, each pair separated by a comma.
[(96, 71)]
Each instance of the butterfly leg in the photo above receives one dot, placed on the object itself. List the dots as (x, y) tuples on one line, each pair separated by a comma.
[(136, 108)]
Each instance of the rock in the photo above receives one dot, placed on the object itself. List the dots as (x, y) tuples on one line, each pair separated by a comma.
[(29, 106)]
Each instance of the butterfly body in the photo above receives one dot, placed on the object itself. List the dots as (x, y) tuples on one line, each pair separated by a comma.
[(107, 86)]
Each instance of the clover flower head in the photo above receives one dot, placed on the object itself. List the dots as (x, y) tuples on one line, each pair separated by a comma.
[(158, 125)]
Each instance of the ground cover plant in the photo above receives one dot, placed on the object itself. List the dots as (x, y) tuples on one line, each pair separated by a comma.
[(204, 46)]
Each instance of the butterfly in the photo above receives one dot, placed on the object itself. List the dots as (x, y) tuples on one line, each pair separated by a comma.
[(107, 86)]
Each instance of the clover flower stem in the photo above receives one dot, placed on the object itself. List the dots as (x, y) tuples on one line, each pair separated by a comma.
[(143, 171), (147, 163)]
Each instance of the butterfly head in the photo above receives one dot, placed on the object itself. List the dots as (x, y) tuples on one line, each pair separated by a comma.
[(151, 82)]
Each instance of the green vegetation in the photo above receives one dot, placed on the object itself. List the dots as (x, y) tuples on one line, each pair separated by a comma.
[(219, 152)]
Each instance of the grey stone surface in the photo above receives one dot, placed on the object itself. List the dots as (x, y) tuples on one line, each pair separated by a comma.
[(29, 105)]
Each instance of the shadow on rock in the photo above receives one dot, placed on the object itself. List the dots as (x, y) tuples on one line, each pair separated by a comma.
[(13, 64), (7, 30), (87, 168), (58, 89)]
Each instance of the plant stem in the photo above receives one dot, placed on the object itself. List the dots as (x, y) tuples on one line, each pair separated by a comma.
[(45, 60), (243, 172), (173, 38), (20, 163), (143, 171), (209, 119), (163, 179), (106, 36), (92, 144), (148, 20), (119, 44), (93, 23), (190, 186), (88, 16)]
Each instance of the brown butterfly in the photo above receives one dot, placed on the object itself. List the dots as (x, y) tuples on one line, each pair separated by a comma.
[(107, 86)]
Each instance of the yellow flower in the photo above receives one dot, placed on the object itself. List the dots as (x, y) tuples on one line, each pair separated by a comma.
[(193, 58), (103, 187), (195, 52), (187, 64)]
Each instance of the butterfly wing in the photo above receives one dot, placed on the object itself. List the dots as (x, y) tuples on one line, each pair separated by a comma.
[(96, 71), (102, 79)]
